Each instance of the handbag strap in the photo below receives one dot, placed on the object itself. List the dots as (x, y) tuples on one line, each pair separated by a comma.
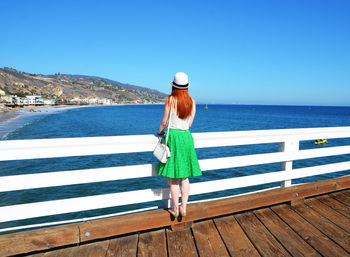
[(167, 134)]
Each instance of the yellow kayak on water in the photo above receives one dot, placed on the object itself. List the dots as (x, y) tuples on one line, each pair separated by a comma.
[(323, 141)]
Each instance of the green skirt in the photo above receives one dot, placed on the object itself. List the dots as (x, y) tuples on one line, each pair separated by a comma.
[(183, 160)]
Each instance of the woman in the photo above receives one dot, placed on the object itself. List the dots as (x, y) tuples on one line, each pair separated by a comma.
[(183, 162)]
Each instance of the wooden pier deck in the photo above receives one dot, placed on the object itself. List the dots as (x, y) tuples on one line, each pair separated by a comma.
[(317, 226)]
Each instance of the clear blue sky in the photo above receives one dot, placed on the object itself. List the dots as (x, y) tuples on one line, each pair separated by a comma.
[(248, 52)]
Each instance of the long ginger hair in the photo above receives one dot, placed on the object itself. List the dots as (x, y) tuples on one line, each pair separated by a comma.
[(184, 102)]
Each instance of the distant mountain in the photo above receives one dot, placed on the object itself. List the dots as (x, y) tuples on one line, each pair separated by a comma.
[(65, 86)]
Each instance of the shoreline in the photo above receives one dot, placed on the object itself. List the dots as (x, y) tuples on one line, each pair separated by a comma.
[(8, 114), (13, 119)]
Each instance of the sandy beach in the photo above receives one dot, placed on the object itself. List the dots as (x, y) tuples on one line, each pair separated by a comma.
[(7, 114)]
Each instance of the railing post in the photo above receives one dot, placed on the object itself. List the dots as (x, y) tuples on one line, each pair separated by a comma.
[(287, 166), (166, 203)]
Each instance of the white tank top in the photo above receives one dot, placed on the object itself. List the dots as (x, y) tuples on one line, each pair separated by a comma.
[(175, 122)]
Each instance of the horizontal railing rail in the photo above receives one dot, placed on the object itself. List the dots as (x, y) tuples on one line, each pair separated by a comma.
[(288, 152), (68, 147)]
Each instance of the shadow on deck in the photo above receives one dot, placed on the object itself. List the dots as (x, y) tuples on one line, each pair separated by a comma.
[(317, 226)]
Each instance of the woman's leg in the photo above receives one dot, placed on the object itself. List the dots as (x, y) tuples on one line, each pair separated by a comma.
[(174, 190), (185, 191)]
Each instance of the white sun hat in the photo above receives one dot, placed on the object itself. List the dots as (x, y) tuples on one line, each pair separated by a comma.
[(180, 81)]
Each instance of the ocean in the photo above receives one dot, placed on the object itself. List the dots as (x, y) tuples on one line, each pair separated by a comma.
[(144, 119)]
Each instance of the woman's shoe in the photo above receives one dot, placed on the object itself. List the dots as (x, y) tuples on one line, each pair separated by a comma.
[(182, 213), (175, 214)]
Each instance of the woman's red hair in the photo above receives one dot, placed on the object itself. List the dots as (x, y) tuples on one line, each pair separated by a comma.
[(184, 102)]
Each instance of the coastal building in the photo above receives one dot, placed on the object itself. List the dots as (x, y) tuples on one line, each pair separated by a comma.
[(27, 100), (9, 99), (34, 100), (91, 101), (49, 102), (106, 101), (19, 101)]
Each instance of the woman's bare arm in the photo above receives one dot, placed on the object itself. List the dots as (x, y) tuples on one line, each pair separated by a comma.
[(165, 118), (193, 114)]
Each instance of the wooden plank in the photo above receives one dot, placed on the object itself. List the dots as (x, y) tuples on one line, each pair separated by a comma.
[(263, 240), (296, 202), (125, 246), (93, 249), (237, 243), (208, 239), (39, 239), (336, 204), (180, 242), (329, 212), (66, 252), (50, 254), (142, 221), (152, 244), (328, 228), (295, 245), (314, 237), (346, 192), (125, 224), (181, 226), (342, 197)]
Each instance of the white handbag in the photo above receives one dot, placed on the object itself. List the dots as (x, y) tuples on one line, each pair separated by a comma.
[(162, 151)]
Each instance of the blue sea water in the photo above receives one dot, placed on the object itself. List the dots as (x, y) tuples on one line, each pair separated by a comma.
[(145, 119)]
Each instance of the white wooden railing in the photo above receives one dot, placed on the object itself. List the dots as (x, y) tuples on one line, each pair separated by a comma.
[(288, 140)]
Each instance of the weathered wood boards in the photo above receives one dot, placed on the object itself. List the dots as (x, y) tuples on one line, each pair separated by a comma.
[(236, 241), (308, 232), (283, 230), (295, 245), (208, 239), (35, 240), (335, 212), (180, 243), (262, 239), (152, 244), (40, 239), (123, 246), (96, 249)]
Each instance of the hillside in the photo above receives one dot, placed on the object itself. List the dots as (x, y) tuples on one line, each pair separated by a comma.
[(64, 86)]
